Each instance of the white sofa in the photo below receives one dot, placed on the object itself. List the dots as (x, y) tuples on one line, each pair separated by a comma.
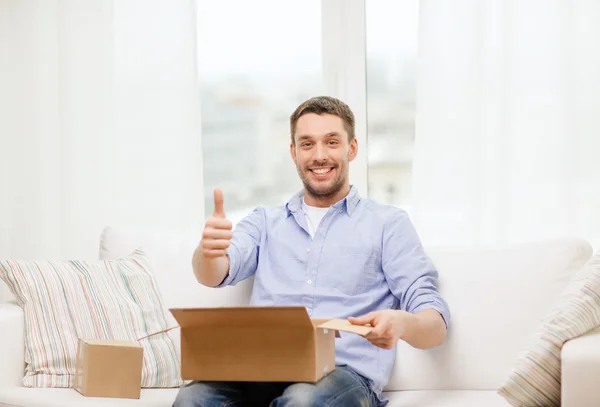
[(497, 298)]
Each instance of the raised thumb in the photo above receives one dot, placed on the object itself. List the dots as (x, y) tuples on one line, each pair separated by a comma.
[(219, 211)]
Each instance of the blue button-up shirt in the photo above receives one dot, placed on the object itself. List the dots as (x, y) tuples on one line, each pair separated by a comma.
[(364, 257)]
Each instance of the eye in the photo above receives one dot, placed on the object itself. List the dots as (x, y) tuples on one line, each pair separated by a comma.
[(333, 142), (305, 144)]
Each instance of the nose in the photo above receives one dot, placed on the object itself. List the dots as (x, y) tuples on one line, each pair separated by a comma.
[(320, 152)]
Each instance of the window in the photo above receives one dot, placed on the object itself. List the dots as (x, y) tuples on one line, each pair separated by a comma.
[(289, 52), (254, 71), (391, 37)]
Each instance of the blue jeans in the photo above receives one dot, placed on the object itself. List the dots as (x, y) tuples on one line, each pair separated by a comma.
[(343, 387)]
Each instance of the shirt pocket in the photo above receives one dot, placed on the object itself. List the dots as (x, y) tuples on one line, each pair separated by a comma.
[(352, 270)]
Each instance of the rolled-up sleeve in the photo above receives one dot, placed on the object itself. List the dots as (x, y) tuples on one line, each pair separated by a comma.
[(410, 273), (244, 248)]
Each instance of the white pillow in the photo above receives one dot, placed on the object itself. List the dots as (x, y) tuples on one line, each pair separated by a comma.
[(536, 377), (66, 300)]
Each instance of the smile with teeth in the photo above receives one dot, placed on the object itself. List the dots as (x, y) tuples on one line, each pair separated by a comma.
[(321, 171)]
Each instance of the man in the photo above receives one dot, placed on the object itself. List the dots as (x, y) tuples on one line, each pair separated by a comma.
[(335, 253)]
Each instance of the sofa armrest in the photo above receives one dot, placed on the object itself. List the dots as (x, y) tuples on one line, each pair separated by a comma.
[(12, 357), (580, 365)]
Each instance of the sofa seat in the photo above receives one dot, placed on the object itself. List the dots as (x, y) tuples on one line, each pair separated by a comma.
[(27, 397), (164, 398), (446, 398)]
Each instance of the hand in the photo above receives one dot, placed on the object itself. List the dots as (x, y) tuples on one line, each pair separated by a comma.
[(217, 232), (388, 326)]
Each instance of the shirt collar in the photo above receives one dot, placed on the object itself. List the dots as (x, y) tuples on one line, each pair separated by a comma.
[(348, 203)]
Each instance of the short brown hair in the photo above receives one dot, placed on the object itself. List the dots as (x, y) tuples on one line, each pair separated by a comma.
[(324, 105)]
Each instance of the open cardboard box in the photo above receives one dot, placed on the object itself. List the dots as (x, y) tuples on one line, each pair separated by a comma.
[(260, 344)]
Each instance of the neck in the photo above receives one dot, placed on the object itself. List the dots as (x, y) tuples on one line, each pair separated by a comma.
[(325, 201)]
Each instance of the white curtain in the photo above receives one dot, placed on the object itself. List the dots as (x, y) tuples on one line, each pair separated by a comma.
[(99, 123), (508, 121)]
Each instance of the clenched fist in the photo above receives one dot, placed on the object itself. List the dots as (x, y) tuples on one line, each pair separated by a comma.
[(217, 231)]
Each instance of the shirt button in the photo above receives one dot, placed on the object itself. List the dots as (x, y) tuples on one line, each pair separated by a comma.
[(308, 250), (309, 281)]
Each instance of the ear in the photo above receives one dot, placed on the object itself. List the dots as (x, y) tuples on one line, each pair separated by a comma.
[(293, 152), (353, 151)]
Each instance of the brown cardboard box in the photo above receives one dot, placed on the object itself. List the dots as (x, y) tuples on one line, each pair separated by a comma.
[(260, 344), (109, 368)]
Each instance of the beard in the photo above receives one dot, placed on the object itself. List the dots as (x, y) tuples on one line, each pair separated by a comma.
[(324, 188)]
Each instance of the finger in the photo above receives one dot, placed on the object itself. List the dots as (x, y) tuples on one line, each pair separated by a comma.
[(382, 342), (211, 254), (376, 333), (385, 345), (219, 205), (216, 234), (219, 223), (378, 342), (211, 244), (362, 320), (371, 336)]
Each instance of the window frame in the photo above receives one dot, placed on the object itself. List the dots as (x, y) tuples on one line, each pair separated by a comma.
[(344, 59)]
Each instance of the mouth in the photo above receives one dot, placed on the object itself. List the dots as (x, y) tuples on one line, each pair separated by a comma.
[(322, 172)]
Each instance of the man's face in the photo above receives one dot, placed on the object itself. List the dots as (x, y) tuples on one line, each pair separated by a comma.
[(322, 153)]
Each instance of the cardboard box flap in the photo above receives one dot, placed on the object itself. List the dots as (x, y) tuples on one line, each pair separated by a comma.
[(317, 324), (243, 317), (112, 342), (344, 325), (318, 321)]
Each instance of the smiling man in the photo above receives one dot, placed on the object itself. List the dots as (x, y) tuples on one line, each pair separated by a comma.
[(337, 254)]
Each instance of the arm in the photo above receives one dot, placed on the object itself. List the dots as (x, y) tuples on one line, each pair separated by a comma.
[(235, 262), (580, 365), (410, 273), (423, 315), (209, 271), (242, 254), (423, 330), (12, 365), (222, 255)]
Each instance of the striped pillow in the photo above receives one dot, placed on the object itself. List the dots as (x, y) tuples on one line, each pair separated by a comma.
[(110, 299), (535, 379)]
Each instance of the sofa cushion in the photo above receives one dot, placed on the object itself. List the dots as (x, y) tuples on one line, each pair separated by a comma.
[(66, 300), (497, 297), (25, 397), (536, 377), (446, 398)]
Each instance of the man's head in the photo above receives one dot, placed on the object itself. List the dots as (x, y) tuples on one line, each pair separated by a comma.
[(322, 146)]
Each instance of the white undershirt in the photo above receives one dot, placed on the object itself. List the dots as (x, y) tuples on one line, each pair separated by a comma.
[(313, 217)]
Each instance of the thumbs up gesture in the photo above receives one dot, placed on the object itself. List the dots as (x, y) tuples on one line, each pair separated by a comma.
[(217, 231)]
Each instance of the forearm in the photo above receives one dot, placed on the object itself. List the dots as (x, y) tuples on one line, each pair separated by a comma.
[(209, 272), (424, 329)]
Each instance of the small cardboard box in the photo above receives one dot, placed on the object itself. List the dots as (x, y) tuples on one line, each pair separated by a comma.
[(260, 344), (109, 368)]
